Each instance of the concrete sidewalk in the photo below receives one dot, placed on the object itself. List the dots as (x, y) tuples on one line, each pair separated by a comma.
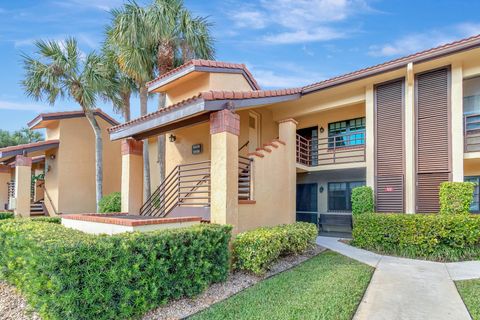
[(409, 289)]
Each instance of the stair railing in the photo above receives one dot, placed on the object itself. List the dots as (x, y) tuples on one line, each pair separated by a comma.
[(244, 178), (186, 185), (47, 196)]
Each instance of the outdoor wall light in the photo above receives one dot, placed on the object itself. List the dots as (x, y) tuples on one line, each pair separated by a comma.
[(172, 138), (320, 189), (52, 157), (321, 129)]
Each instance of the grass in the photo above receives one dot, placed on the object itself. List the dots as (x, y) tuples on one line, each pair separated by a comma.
[(470, 292), (328, 286)]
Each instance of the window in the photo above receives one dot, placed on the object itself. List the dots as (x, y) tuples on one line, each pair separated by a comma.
[(475, 206), (339, 195), (346, 133)]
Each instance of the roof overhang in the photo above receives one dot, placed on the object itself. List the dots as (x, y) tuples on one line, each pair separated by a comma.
[(157, 84), (29, 148), (43, 119), (191, 113)]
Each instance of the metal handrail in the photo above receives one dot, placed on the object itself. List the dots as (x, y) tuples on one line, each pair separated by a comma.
[(244, 178), (169, 194), (45, 192), (331, 150)]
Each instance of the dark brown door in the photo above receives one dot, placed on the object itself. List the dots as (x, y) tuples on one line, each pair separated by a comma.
[(389, 146), (433, 136)]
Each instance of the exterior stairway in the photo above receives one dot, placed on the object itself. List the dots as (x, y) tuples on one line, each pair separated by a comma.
[(36, 209), (244, 178)]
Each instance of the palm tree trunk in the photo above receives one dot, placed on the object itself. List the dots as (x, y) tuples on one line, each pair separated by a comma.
[(161, 141), (98, 156), (146, 158), (126, 106)]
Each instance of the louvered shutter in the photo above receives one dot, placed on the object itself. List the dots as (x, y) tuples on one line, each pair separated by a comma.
[(389, 149), (433, 137)]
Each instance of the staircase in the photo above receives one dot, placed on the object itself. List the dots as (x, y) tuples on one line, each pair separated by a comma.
[(36, 209), (244, 178)]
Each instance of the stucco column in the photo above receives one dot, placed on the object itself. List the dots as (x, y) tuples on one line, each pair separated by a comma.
[(370, 136), (287, 132), (5, 177), (457, 122), (224, 132), (410, 144), (23, 183), (132, 176)]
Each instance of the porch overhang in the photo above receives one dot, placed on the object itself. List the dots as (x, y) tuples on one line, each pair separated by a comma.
[(196, 110), (27, 149)]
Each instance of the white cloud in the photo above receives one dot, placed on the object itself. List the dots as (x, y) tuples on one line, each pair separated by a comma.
[(292, 76), (105, 5), (295, 21), (419, 41), (9, 105)]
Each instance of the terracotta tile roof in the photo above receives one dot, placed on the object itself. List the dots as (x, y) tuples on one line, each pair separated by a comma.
[(29, 145), (211, 64), (69, 114), (211, 96), (429, 53)]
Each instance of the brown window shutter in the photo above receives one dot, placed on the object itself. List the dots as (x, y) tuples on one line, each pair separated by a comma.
[(433, 136), (389, 149)]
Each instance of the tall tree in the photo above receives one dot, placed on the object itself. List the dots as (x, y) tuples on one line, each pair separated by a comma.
[(61, 70), (129, 35), (21, 136), (176, 37)]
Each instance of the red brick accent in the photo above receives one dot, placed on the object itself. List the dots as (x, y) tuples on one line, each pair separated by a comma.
[(247, 202), (225, 121), (279, 141), (115, 219), (271, 144), (264, 149), (21, 161), (255, 153), (289, 120), (132, 146), (4, 169)]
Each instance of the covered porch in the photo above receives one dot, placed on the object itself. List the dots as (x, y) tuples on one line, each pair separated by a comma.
[(22, 178)]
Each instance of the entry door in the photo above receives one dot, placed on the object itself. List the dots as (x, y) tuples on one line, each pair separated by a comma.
[(311, 134), (307, 200), (253, 131)]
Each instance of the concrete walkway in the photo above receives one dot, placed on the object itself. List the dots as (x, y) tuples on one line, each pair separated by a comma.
[(408, 289)]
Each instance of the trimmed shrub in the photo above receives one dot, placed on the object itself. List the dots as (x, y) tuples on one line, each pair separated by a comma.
[(111, 203), (6, 215), (256, 250), (56, 220), (456, 197), (67, 274), (362, 200), (436, 237)]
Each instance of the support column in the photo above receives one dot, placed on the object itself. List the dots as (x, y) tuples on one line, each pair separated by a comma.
[(23, 184), (456, 127), (370, 136), (132, 176), (5, 177), (410, 144), (288, 133), (224, 132)]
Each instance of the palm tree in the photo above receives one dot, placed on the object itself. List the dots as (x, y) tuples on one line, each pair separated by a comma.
[(129, 35), (61, 70), (176, 37)]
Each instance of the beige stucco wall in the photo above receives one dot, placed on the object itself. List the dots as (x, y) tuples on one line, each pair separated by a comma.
[(70, 178), (4, 178), (154, 163)]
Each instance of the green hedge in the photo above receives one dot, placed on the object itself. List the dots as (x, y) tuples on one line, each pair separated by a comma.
[(111, 203), (362, 200), (436, 237), (6, 215), (456, 197), (67, 274), (256, 250)]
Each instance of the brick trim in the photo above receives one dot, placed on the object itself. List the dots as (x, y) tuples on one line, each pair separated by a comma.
[(247, 202), (225, 121), (22, 161), (4, 169), (116, 219), (132, 146)]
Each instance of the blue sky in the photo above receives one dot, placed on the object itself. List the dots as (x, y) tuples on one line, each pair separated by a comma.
[(285, 43)]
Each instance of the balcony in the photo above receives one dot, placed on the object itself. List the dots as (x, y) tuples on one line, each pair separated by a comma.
[(471, 126), (339, 149)]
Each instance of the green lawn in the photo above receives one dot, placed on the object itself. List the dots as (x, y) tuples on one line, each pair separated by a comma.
[(470, 292), (328, 286)]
